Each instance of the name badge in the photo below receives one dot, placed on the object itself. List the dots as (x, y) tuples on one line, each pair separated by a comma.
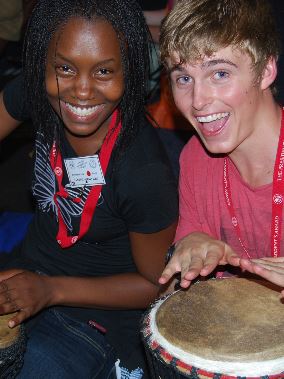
[(84, 171)]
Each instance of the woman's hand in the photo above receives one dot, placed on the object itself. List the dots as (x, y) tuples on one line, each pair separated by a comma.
[(198, 254), (23, 292)]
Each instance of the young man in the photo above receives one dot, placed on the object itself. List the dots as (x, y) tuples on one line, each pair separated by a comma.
[(221, 58)]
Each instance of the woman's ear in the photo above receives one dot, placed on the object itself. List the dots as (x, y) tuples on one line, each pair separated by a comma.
[(269, 73)]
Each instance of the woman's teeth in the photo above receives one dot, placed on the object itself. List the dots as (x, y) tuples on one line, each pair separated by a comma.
[(81, 111), (212, 117)]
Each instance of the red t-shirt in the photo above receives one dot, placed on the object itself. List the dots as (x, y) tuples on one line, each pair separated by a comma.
[(203, 207)]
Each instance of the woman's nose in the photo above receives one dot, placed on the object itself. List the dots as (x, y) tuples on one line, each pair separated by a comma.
[(83, 88)]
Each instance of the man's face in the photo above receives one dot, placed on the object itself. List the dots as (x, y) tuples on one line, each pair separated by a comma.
[(219, 96)]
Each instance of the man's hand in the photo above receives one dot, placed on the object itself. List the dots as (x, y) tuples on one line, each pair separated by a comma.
[(268, 268), (23, 292), (198, 254)]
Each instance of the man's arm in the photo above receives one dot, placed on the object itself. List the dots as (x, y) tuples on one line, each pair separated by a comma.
[(196, 251), (269, 268)]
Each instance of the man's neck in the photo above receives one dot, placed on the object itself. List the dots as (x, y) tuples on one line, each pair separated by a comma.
[(255, 158)]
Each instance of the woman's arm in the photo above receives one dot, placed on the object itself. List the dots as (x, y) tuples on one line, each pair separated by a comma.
[(29, 292), (129, 290), (7, 122)]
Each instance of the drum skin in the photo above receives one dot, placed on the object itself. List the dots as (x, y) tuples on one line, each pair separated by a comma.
[(218, 323), (12, 348)]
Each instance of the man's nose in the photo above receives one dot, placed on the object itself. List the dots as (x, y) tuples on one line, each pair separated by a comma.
[(201, 96)]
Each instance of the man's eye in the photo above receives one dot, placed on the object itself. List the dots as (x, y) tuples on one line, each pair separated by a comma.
[(183, 79), (221, 75)]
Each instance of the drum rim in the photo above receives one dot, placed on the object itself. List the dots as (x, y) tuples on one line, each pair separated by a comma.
[(12, 357), (19, 344)]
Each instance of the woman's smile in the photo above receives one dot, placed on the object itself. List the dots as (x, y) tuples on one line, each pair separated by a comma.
[(81, 114)]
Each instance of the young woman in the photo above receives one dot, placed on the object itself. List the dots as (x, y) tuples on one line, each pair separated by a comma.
[(106, 198)]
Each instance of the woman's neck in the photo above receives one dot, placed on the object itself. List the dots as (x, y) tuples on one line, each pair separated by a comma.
[(87, 145)]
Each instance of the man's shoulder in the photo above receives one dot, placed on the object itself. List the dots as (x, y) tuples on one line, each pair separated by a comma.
[(194, 149), (195, 157)]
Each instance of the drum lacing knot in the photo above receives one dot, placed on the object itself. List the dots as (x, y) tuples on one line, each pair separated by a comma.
[(194, 373)]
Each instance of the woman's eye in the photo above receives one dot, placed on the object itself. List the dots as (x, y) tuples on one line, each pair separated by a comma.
[(64, 69), (221, 75), (104, 71)]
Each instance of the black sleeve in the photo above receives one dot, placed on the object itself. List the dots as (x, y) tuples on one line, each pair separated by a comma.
[(14, 99), (150, 5), (150, 199), (146, 191)]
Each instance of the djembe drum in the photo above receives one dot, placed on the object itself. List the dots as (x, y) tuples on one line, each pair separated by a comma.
[(222, 328), (12, 348)]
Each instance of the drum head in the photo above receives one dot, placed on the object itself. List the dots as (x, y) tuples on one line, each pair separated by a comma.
[(225, 320)]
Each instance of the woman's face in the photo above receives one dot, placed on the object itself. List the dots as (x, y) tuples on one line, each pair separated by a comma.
[(84, 75)]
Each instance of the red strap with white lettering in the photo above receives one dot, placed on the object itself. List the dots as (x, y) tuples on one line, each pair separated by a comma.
[(277, 198), (278, 195), (63, 238)]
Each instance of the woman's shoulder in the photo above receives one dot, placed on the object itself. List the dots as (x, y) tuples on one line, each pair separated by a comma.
[(146, 147), (145, 161)]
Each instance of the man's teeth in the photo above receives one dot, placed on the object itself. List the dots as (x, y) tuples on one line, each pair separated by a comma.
[(212, 117), (81, 111)]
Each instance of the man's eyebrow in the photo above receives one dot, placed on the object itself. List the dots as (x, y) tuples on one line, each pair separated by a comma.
[(215, 62), (176, 67)]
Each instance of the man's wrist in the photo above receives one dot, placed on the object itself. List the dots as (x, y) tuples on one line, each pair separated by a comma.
[(170, 253)]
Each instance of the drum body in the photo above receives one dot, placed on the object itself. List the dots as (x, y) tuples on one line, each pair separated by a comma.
[(12, 349), (222, 328)]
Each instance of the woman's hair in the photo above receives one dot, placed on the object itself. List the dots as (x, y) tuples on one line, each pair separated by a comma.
[(198, 28), (127, 19)]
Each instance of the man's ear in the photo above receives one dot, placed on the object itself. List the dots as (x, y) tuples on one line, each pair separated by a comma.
[(269, 73)]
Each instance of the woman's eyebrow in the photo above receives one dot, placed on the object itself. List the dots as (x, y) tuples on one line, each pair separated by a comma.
[(105, 61)]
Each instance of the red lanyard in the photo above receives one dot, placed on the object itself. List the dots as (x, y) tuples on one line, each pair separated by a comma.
[(277, 198), (90, 205), (277, 195)]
